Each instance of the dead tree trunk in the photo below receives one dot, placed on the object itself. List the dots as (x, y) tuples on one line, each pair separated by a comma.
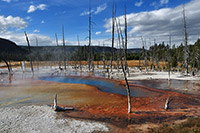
[(89, 44), (126, 41), (8, 66), (123, 69), (169, 57), (36, 41), (166, 104), (64, 50), (186, 43), (118, 56), (57, 108), (113, 36), (144, 54), (80, 66), (104, 63), (59, 63), (29, 48)]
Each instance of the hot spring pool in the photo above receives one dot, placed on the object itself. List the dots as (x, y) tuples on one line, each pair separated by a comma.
[(103, 85)]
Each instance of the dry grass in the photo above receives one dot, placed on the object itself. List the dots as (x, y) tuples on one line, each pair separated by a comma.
[(131, 63), (192, 125)]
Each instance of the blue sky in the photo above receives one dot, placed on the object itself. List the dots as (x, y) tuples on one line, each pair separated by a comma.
[(152, 19)]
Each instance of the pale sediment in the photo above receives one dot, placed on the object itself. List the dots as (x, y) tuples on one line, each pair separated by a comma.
[(42, 119)]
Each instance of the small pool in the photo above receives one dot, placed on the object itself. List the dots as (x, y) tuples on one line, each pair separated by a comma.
[(104, 85)]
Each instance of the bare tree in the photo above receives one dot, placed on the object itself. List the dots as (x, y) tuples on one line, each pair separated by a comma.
[(156, 55), (104, 63), (59, 63), (90, 23), (126, 40), (36, 41), (123, 69), (144, 54), (80, 66), (29, 48), (186, 43), (113, 35), (64, 49), (8, 66), (169, 57)]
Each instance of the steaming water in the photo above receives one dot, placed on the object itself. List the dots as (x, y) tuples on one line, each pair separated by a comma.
[(102, 84)]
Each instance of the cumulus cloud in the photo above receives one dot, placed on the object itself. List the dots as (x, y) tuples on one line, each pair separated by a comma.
[(33, 8), (157, 24), (139, 3), (11, 22), (42, 21), (19, 39), (96, 11)]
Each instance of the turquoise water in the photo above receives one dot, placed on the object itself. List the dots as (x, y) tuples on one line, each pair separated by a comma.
[(108, 86)]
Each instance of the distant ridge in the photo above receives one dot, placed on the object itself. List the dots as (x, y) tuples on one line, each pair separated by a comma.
[(9, 47), (96, 49), (10, 51)]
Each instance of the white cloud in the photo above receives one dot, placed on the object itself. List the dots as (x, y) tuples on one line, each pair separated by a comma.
[(164, 2), (138, 3), (157, 24), (41, 7), (6, 0), (161, 3), (11, 22), (86, 13), (98, 33), (33, 8), (100, 8), (36, 31), (19, 39), (28, 18), (96, 11)]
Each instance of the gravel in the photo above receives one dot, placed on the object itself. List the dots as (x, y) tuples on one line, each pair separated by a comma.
[(36, 119)]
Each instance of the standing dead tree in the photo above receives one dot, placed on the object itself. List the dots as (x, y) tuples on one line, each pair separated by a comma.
[(156, 55), (152, 51), (64, 49), (126, 40), (144, 54), (80, 65), (29, 49), (104, 62), (36, 41), (8, 66), (186, 57), (169, 57), (59, 63), (113, 36), (89, 44), (123, 69)]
